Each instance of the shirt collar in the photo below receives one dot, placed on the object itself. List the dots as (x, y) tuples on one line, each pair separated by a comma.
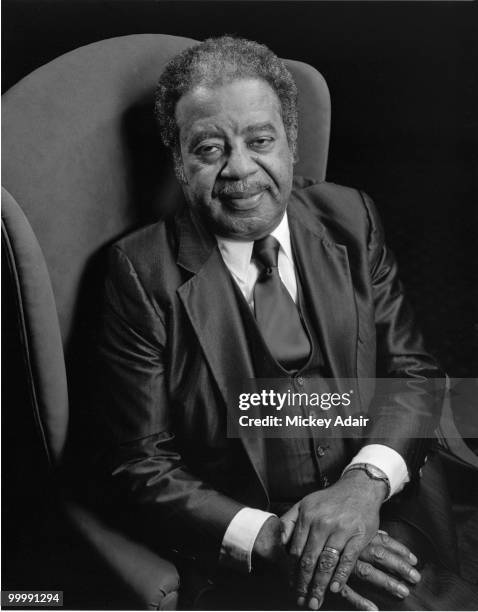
[(237, 253), (282, 235)]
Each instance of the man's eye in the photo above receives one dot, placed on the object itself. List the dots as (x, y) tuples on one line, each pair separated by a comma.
[(208, 151), (260, 144)]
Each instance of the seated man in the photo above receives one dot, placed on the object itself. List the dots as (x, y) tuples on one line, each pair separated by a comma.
[(263, 275)]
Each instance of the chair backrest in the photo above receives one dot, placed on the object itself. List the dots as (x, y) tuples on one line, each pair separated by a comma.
[(82, 158), (81, 152)]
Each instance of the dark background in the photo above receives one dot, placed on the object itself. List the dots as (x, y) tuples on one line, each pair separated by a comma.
[(404, 83)]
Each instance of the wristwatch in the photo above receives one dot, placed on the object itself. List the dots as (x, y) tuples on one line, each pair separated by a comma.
[(372, 472)]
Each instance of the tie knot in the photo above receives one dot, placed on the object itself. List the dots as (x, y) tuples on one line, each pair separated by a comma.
[(266, 250)]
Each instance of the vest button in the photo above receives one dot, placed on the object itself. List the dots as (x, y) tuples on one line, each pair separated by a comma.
[(321, 450)]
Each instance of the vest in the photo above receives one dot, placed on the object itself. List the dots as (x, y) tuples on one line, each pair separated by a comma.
[(295, 466)]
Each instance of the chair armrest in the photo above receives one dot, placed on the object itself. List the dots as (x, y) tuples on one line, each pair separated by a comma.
[(450, 439), (153, 580)]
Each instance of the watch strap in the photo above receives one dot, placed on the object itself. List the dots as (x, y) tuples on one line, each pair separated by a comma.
[(372, 472)]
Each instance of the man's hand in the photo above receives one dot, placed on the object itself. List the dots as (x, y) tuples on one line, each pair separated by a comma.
[(386, 553), (269, 554), (386, 564), (269, 550), (268, 547), (342, 519), (381, 558)]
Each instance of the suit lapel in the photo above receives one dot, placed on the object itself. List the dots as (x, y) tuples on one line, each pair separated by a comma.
[(324, 273), (212, 308)]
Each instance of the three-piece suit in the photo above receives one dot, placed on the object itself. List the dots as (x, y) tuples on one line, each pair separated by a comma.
[(175, 335)]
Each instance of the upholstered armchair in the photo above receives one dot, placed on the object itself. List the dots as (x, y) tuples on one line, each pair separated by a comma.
[(82, 165)]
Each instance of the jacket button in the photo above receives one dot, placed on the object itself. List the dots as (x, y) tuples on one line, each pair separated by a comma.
[(321, 450), (420, 472)]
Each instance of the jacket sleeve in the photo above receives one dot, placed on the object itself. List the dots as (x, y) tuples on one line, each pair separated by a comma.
[(144, 469), (410, 385)]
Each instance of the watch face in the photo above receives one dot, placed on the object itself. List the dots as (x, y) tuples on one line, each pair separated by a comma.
[(375, 472)]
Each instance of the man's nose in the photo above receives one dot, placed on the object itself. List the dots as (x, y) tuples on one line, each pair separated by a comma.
[(239, 164)]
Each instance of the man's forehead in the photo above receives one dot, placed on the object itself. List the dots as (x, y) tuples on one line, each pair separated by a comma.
[(245, 102)]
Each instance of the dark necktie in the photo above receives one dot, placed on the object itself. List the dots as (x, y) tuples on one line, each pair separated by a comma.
[(276, 313)]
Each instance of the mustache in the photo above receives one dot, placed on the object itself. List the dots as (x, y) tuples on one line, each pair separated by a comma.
[(236, 187)]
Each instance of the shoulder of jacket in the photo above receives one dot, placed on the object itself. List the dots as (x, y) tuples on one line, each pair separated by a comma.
[(330, 193), (339, 208), (151, 252), (146, 239)]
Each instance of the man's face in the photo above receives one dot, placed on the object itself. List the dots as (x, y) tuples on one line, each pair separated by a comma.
[(236, 159)]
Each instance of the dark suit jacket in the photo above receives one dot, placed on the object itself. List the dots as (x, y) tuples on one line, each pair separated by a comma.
[(173, 340)]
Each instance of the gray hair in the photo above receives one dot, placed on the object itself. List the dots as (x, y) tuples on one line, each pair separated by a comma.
[(217, 61)]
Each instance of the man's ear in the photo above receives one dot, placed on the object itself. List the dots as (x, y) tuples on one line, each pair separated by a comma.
[(178, 166)]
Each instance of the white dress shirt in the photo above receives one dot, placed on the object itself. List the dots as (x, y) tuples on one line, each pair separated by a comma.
[(241, 533)]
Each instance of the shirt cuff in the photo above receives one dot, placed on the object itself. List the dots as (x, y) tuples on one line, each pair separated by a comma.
[(238, 541), (389, 461)]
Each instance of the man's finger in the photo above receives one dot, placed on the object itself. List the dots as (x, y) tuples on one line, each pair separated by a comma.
[(307, 565), (374, 576), (296, 548), (291, 514), (378, 555), (358, 602), (395, 546), (346, 564), (288, 527), (327, 562), (288, 520)]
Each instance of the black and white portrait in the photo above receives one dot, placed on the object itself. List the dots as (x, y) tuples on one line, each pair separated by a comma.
[(239, 292)]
